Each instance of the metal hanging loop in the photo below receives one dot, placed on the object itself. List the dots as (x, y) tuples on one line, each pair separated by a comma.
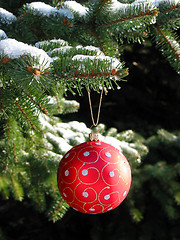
[(94, 136)]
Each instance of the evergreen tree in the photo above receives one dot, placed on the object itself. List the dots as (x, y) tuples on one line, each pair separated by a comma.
[(50, 48)]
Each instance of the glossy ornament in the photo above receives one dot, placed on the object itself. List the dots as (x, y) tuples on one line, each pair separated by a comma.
[(94, 177)]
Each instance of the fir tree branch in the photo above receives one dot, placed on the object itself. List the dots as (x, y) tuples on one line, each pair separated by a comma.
[(57, 100), (4, 184), (18, 190), (103, 3), (8, 134), (44, 110), (171, 8), (1, 102), (59, 3), (99, 8), (132, 17), (98, 40), (25, 115), (14, 152), (160, 31), (53, 187), (168, 14), (57, 210), (8, 131), (93, 74)]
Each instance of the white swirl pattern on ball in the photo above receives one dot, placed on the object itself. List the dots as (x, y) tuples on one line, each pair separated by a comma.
[(85, 172), (113, 173), (88, 153), (108, 171), (108, 156), (85, 194), (94, 175), (68, 179), (88, 195), (69, 156), (66, 173)]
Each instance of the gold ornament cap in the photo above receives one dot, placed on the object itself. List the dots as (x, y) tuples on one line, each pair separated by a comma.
[(93, 136)]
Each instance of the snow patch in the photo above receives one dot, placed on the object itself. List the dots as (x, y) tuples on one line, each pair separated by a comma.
[(6, 17), (121, 145), (116, 5), (61, 50), (62, 125), (79, 126), (74, 133), (76, 7), (44, 120), (71, 136), (43, 8), (156, 2), (91, 49), (70, 103), (60, 143), (60, 42), (11, 48), (66, 133), (47, 10), (2, 35), (115, 63), (114, 142)]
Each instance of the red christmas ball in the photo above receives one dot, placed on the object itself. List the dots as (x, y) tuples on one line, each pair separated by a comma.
[(94, 177)]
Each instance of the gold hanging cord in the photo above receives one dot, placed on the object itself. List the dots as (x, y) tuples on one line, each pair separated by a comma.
[(90, 105)]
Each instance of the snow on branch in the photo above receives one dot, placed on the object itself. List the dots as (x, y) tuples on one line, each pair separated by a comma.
[(61, 50), (7, 17), (53, 42), (136, 2), (76, 7), (47, 10), (2, 35), (11, 48), (114, 62)]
